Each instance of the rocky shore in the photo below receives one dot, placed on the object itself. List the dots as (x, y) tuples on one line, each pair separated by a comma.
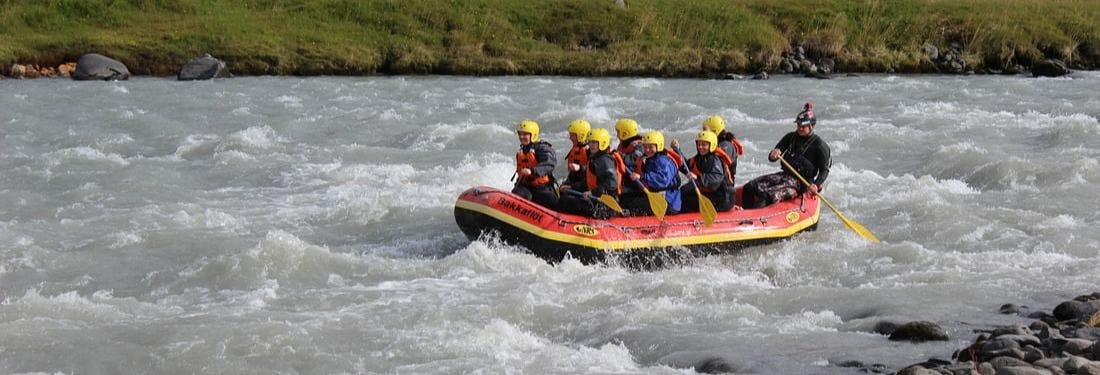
[(1063, 341)]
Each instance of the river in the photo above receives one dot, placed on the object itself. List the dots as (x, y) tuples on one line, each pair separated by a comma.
[(287, 225)]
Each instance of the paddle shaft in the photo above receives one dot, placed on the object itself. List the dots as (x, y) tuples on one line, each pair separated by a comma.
[(854, 226)]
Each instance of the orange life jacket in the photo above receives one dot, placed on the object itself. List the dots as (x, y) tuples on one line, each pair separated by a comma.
[(528, 160), (737, 146), (577, 155), (620, 167), (725, 167)]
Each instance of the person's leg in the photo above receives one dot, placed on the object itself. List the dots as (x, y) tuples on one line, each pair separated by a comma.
[(522, 191), (546, 196), (689, 201)]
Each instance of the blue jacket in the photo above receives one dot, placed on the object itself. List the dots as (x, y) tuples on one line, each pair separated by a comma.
[(660, 175)]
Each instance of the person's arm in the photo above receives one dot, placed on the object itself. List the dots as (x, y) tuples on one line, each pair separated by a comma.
[(544, 153), (823, 161), (713, 174), (606, 176), (783, 144), (660, 174)]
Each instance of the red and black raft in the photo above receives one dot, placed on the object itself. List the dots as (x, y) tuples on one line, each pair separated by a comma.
[(552, 235)]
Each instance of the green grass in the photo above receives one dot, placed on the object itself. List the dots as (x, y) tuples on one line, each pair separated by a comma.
[(569, 37)]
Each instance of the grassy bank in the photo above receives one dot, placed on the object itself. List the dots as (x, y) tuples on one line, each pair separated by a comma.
[(566, 37)]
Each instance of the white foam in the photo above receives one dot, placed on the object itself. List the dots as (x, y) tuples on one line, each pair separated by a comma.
[(261, 137), (83, 153), (289, 101)]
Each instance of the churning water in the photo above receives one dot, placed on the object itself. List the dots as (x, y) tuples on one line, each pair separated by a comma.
[(304, 225)]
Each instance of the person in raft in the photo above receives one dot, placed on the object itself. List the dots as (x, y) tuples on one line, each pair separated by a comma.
[(802, 149), (727, 143), (535, 163), (603, 176), (709, 173), (658, 172), (576, 161), (630, 150)]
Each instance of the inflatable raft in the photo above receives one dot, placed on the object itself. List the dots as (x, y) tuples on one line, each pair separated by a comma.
[(552, 235)]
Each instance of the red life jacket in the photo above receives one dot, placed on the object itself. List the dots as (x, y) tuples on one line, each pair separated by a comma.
[(528, 160), (620, 167), (725, 167)]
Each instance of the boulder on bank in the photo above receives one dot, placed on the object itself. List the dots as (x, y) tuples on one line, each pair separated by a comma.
[(1049, 68), (203, 68), (94, 66)]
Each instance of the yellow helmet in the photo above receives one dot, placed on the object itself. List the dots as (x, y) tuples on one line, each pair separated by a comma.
[(580, 128), (602, 137), (654, 138), (626, 128), (529, 126), (708, 136), (715, 124)]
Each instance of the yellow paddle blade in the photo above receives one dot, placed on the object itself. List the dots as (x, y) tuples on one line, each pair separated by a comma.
[(851, 224), (706, 208), (610, 202), (657, 204)]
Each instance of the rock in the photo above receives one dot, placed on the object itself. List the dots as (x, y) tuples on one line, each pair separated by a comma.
[(916, 370), (1091, 368), (826, 65), (1050, 68), (66, 69), (1033, 354), (94, 66), (919, 331), (202, 68), (986, 368), (714, 366), (1073, 363), (931, 51), (1074, 346), (1022, 370), (1017, 330), (761, 76), (786, 66), (1012, 309), (1002, 362), (885, 328), (18, 71)]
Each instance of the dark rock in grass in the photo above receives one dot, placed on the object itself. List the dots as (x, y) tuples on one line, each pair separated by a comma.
[(1049, 68), (202, 68), (94, 66), (919, 331)]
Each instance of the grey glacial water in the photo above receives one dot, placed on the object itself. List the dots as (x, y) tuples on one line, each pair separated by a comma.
[(304, 225)]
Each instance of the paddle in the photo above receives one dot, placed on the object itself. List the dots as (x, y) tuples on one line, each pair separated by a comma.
[(607, 200), (854, 226), (706, 207), (657, 202)]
